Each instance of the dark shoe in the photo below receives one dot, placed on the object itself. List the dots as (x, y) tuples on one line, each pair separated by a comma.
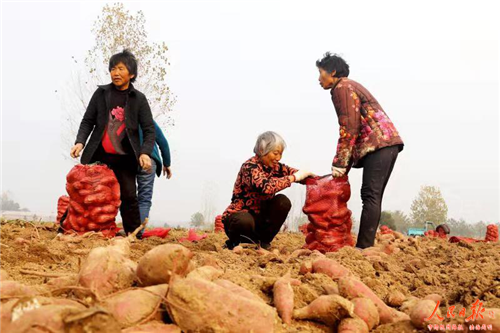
[(265, 245), (121, 233), (229, 245), (139, 234)]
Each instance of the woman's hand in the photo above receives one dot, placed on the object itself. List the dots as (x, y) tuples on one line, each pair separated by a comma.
[(75, 150), (302, 174), (145, 162), (338, 172), (167, 171)]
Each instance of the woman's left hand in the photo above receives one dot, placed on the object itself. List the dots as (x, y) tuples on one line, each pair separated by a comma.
[(338, 172), (167, 171)]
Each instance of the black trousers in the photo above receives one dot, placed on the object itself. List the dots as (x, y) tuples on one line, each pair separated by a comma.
[(125, 169), (377, 170), (244, 227)]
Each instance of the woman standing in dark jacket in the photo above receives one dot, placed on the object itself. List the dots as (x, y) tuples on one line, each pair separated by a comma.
[(113, 116), (367, 139)]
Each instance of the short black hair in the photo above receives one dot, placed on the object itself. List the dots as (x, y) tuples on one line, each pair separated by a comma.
[(333, 62), (128, 59)]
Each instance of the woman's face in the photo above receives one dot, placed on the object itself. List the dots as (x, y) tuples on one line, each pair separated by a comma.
[(273, 157), (327, 80)]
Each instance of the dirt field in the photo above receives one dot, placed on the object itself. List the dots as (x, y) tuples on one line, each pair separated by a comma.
[(460, 272)]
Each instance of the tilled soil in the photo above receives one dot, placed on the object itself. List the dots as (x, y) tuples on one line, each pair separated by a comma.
[(461, 272)]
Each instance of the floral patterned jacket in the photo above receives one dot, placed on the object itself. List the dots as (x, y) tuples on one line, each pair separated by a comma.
[(364, 126), (255, 184)]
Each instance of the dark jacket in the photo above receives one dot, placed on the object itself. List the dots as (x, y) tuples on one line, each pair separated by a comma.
[(161, 141), (95, 120), (364, 126)]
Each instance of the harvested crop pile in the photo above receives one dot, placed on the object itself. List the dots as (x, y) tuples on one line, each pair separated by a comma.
[(491, 233), (251, 289), (62, 206), (94, 195), (326, 208), (218, 226)]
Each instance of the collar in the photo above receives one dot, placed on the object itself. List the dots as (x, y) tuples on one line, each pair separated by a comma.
[(107, 87), (335, 85)]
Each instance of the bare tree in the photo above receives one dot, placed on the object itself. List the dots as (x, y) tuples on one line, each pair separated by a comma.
[(114, 30)]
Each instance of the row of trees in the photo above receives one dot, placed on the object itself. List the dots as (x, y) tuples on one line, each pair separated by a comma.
[(8, 204)]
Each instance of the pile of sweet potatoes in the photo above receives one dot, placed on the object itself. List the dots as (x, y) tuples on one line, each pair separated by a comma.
[(94, 199), (164, 291)]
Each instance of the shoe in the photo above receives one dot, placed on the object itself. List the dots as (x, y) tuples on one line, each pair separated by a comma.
[(265, 245), (139, 234), (229, 245), (121, 233)]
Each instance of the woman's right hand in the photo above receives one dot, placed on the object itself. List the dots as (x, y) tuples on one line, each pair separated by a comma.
[(302, 174), (75, 151)]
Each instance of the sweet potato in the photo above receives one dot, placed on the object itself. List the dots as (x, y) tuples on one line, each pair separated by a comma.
[(107, 269), (63, 281), (328, 309), (306, 267), (352, 325), (434, 297), (283, 297), (47, 318), (198, 305), (158, 265), (206, 272), (13, 289), (399, 316), (351, 288), (237, 290), (331, 289), (330, 267), (91, 320), (409, 304), (395, 298), (365, 309), (422, 310), (238, 249), (153, 327), (131, 307), (4, 276)]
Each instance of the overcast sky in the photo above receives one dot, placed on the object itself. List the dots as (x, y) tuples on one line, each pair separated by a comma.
[(239, 68)]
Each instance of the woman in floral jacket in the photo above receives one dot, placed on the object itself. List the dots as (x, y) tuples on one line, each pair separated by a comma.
[(367, 139), (256, 214)]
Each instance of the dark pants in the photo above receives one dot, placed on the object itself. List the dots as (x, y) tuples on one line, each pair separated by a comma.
[(125, 169), (243, 227), (377, 170)]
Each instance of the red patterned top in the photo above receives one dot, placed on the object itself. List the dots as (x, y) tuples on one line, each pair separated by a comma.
[(363, 125), (257, 183)]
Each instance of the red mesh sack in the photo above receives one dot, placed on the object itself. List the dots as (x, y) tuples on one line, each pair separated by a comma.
[(326, 208), (62, 206), (491, 233), (457, 239), (384, 230), (94, 194), (219, 226)]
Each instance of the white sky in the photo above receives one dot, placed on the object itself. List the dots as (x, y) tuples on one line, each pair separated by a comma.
[(239, 68)]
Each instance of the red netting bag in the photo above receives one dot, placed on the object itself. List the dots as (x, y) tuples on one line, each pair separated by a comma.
[(62, 206), (94, 194), (491, 233), (326, 208), (219, 226), (384, 230)]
